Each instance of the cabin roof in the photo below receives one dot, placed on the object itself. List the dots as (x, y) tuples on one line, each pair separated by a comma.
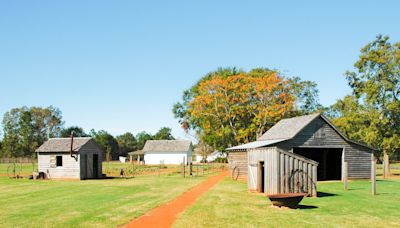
[(137, 152), (167, 146), (63, 144)]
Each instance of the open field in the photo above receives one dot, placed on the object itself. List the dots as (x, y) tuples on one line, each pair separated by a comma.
[(230, 205), (113, 169), (91, 203)]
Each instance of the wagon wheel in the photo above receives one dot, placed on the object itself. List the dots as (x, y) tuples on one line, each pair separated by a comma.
[(14, 170), (235, 173)]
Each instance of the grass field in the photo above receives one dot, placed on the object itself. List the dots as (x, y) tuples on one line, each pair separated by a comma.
[(91, 203), (229, 204)]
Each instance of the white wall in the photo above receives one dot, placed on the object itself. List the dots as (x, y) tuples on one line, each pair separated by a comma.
[(167, 158)]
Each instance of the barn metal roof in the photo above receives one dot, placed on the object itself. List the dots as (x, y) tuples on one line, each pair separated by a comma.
[(63, 144), (167, 146)]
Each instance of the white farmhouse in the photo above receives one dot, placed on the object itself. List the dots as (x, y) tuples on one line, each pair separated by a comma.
[(167, 152)]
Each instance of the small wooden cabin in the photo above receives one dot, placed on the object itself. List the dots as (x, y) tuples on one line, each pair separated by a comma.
[(312, 137), (56, 160)]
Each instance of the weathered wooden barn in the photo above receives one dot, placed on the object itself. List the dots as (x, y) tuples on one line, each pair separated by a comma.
[(58, 159), (301, 143)]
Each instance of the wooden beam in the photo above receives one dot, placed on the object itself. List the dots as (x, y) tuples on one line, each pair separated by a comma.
[(345, 175)]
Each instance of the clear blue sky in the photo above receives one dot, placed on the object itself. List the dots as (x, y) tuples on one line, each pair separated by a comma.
[(121, 65)]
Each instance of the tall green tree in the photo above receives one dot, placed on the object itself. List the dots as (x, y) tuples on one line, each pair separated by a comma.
[(141, 138), (164, 133), (24, 129), (78, 132), (107, 143), (127, 143), (376, 81)]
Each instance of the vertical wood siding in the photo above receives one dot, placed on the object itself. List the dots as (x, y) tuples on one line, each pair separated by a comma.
[(278, 167)]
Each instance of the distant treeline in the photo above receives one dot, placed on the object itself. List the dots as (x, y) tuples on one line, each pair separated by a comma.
[(26, 128)]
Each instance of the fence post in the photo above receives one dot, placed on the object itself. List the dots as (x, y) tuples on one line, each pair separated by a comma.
[(183, 167), (345, 175), (373, 176)]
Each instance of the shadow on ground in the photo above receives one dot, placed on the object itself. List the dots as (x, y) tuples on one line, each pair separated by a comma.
[(306, 207), (325, 194)]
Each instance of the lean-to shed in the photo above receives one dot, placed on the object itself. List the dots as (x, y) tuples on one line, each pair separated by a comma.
[(56, 160), (313, 137)]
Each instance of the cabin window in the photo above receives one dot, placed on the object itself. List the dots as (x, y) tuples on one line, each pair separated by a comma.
[(59, 161)]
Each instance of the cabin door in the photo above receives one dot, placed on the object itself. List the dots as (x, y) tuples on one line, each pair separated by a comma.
[(95, 165), (261, 177)]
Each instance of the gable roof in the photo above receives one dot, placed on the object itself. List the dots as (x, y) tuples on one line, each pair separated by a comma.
[(167, 146), (63, 144), (287, 129)]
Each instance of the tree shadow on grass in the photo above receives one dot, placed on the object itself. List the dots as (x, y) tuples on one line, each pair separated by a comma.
[(306, 207), (325, 194)]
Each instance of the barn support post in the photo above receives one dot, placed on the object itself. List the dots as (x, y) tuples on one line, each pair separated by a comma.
[(345, 175), (373, 175), (314, 181)]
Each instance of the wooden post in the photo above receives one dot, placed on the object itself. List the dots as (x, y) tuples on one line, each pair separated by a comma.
[(314, 181), (190, 169), (373, 176), (345, 175), (197, 169), (183, 167)]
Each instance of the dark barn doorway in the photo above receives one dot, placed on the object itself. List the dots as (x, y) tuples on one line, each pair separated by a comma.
[(329, 159), (261, 175), (95, 165)]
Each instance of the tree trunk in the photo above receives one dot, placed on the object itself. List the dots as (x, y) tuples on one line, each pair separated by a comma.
[(386, 166)]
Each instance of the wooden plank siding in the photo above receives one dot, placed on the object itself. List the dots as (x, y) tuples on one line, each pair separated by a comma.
[(282, 171), (239, 160), (320, 134), (69, 168)]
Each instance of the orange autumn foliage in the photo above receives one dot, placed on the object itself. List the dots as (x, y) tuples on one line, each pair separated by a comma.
[(240, 108)]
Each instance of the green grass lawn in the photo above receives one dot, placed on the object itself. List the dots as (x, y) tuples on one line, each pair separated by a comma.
[(229, 204), (90, 203)]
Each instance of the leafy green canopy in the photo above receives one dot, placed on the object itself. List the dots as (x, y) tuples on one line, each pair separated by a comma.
[(372, 115), (24, 129)]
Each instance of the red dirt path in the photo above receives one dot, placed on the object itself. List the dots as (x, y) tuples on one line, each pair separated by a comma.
[(165, 215)]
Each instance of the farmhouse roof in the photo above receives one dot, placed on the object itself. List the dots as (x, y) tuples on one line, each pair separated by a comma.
[(63, 144), (138, 152), (167, 146), (287, 129)]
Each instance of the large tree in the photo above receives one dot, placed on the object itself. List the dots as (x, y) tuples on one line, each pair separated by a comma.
[(229, 107), (164, 133), (26, 128), (141, 138), (107, 143), (127, 143), (376, 81), (78, 132)]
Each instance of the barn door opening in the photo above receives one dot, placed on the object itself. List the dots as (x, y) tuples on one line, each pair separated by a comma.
[(329, 159), (95, 165), (261, 175)]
